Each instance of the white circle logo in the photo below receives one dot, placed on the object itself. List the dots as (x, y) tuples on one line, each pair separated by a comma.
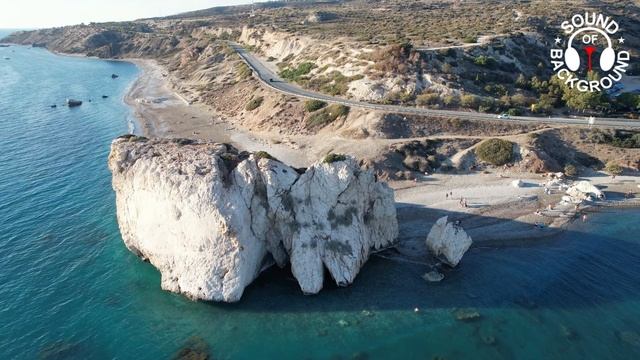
[(589, 50)]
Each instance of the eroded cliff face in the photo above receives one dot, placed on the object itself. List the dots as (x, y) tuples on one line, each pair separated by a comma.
[(211, 218)]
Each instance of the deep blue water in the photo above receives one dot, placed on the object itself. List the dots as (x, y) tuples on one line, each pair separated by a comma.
[(70, 289)]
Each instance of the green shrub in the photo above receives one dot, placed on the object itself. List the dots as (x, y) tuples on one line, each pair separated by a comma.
[(522, 82), (333, 83), (263, 155), (628, 101), (469, 101), (294, 74), (427, 99), (331, 158), (254, 103), (613, 168), (483, 60), (451, 100), (470, 39), (243, 71), (570, 170), (314, 105), (514, 112), (327, 115), (495, 151)]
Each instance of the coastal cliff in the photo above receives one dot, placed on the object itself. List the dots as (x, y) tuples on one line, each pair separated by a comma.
[(211, 218)]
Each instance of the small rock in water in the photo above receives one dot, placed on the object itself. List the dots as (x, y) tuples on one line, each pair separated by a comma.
[(367, 313), (360, 356), (630, 337), (54, 106), (416, 310), (194, 349), (343, 323), (568, 333), (489, 339), (526, 303), (433, 276), (466, 314)]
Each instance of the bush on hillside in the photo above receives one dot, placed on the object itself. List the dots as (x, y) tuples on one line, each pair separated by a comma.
[(570, 170), (254, 103), (314, 105), (427, 99), (331, 158), (294, 74), (327, 115), (495, 151), (613, 168), (263, 155)]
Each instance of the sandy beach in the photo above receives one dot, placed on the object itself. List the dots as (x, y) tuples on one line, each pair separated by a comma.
[(495, 211)]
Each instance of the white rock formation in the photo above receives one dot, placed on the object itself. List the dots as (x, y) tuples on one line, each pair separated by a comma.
[(448, 242), (584, 190), (210, 218)]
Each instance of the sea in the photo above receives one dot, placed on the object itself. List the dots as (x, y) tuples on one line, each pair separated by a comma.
[(69, 289)]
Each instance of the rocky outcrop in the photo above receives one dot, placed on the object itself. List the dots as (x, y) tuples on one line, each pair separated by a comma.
[(211, 218), (448, 241), (583, 191)]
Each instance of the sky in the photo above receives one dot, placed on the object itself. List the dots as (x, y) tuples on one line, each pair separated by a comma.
[(30, 14)]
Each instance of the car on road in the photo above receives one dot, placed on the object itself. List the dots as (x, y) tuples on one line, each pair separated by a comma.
[(504, 116)]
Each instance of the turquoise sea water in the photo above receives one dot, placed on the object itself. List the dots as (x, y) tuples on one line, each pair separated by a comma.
[(70, 290)]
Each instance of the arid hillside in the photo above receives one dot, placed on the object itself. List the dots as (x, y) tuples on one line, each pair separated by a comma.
[(486, 56)]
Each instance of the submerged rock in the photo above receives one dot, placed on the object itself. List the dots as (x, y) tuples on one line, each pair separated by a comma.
[(466, 314), (211, 218), (630, 337), (433, 276), (194, 349), (448, 242)]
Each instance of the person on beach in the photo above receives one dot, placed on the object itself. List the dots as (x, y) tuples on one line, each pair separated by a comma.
[(584, 217), (446, 196)]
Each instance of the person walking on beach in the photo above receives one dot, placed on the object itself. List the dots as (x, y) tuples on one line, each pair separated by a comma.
[(584, 217)]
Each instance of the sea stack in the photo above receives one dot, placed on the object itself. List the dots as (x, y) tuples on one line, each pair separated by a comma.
[(210, 218), (448, 241)]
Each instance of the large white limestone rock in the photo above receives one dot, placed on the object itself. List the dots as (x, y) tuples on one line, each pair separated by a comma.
[(448, 242), (210, 218), (584, 190)]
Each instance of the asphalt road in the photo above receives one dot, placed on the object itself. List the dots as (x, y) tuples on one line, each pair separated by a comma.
[(272, 80)]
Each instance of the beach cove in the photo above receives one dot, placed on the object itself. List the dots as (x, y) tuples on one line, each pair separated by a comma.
[(74, 291)]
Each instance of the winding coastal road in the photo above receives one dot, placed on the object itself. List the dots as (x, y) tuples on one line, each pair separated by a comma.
[(273, 81)]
